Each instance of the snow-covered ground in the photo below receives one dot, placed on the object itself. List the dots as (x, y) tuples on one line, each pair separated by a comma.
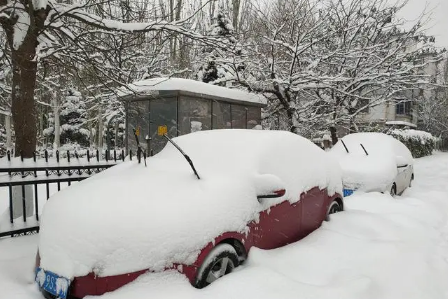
[(379, 247)]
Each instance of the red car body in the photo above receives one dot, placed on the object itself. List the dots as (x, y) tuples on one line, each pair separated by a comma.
[(282, 224)]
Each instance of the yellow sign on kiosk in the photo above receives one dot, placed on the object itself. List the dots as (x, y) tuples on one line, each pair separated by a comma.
[(162, 130), (137, 131)]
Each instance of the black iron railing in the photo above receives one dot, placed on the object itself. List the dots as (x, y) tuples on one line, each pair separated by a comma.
[(21, 178)]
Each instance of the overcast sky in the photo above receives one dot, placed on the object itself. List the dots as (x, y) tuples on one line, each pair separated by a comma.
[(438, 25)]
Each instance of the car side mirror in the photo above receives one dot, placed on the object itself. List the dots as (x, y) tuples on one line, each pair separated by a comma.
[(269, 186), (402, 162)]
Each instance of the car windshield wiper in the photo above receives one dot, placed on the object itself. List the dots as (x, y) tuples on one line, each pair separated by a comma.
[(343, 143), (364, 149), (184, 154)]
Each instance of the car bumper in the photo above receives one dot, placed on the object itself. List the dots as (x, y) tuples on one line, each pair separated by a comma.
[(92, 285)]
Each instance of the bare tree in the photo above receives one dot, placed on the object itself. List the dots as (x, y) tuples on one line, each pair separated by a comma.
[(37, 30), (433, 103), (322, 65), (368, 60)]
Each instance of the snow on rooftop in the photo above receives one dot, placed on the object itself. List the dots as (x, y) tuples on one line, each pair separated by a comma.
[(150, 86)]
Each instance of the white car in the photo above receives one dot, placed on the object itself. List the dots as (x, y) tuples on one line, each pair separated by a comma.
[(374, 162)]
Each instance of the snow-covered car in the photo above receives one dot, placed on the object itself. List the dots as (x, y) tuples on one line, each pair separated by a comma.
[(253, 188), (374, 162)]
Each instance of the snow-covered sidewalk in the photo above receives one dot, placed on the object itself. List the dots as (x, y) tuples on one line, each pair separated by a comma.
[(379, 247)]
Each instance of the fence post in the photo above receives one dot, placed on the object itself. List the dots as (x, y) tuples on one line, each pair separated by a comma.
[(88, 156), (47, 184), (36, 198), (11, 215), (122, 155), (97, 155), (23, 200), (46, 156), (130, 155), (68, 156), (9, 156), (21, 156), (57, 156)]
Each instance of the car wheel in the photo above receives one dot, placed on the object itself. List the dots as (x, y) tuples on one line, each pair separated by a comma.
[(334, 207), (221, 260), (393, 190)]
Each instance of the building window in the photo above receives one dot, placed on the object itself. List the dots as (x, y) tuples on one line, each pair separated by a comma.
[(138, 119), (194, 115), (403, 107), (253, 117), (221, 116), (239, 117), (163, 112)]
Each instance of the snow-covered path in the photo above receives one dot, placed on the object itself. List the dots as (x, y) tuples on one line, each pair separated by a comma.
[(379, 248)]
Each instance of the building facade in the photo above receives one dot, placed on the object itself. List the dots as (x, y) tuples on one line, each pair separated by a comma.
[(406, 108), (185, 106)]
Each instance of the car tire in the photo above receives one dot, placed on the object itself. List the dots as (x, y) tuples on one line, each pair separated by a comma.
[(335, 207), (393, 190), (221, 260)]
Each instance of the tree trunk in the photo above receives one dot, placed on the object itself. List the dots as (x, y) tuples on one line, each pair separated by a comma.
[(172, 37), (24, 65), (100, 131), (212, 11), (334, 135), (41, 140), (92, 135), (236, 14), (8, 132), (290, 113), (24, 116), (116, 143), (22, 42), (57, 124), (23, 109)]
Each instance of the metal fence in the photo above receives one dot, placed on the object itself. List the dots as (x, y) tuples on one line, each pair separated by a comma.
[(31, 181)]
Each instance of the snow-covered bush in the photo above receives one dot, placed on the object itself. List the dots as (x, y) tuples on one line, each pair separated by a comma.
[(420, 143), (215, 65), (73, 118)]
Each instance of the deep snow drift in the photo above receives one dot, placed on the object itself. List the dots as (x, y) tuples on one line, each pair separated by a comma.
[(379, 248)]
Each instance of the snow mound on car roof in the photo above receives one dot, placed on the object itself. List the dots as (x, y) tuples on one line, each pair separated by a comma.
[(374, 171), (132, 217)]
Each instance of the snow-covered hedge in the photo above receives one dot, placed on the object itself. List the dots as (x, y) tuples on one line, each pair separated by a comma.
[(420, 143)]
